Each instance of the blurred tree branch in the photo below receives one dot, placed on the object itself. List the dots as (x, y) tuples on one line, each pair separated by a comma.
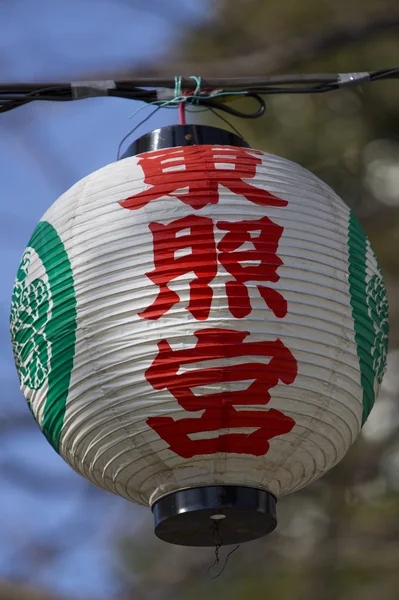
[(284, 55), (177, 14), (16, 591)]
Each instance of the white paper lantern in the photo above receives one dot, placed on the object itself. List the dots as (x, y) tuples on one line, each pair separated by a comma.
[(196, 317)]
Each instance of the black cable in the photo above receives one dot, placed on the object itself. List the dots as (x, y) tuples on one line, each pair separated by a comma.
[(14, 95), (152, 113), (214, 111), (136, 85), (192, 110), (189, 84), (213, 103), (15, 101), (384, 74)]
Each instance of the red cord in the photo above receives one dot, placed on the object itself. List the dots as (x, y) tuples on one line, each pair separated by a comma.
[(182, 114)]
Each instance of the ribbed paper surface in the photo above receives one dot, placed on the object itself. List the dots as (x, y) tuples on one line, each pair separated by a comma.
[(206, 316)]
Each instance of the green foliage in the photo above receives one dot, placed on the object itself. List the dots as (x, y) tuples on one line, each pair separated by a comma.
[(29, 315)]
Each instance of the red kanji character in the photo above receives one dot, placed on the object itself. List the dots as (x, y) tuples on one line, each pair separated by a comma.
[(264, 253), (219, 412), (201, 169), (201, 261)]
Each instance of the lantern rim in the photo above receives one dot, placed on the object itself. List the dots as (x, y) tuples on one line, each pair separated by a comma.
[(187, 517), (172, 136)]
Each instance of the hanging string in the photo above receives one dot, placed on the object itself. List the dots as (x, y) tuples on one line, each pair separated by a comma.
[(195, 95), (178, 92), (217, 560), (182, 113), (180, 99), (152, 113), (225, 563), (218, 540), (197, 91)]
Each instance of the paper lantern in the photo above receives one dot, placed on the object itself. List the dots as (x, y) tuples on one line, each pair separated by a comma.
[(201, 329)]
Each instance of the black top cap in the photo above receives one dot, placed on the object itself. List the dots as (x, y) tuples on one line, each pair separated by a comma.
[(184, 135)]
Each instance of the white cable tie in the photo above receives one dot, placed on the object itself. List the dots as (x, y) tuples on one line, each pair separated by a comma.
[(165, 94), (90, 89), (215, 92), (346, 79)]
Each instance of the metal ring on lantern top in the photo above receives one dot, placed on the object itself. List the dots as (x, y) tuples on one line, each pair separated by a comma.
[(173, 136)]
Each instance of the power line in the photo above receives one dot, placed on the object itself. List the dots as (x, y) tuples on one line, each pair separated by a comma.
[(213, 93)]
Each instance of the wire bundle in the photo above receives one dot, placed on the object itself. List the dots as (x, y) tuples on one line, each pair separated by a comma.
[(209, 93)]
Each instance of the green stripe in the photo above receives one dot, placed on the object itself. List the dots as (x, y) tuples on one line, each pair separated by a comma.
[(365, 333), (60, 330)]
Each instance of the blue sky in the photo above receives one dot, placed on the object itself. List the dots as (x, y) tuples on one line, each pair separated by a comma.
[(44, 149)]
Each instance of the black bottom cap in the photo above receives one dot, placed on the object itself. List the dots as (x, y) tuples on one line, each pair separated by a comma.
[(214, 515)]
